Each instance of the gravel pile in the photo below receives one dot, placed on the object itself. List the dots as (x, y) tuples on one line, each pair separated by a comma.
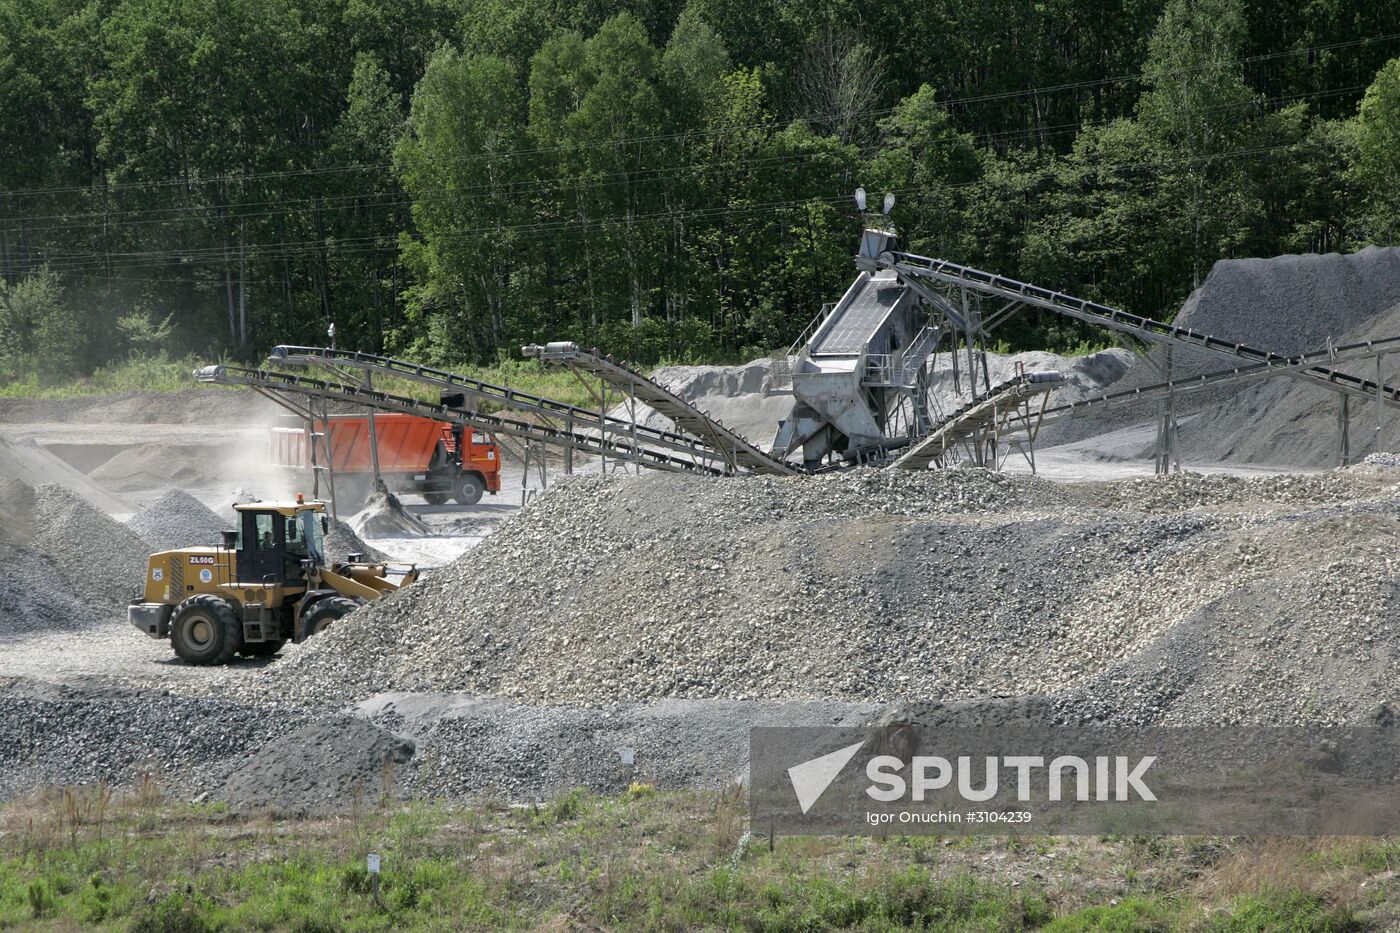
[(179, 520), (875, 586), (1383, 458), (52, 735), (56, 554), (34, 598), (342, 542), (1285, 304), (101, 559), (324, 765)]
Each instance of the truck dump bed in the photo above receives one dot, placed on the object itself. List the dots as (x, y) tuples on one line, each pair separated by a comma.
[(407, 443)]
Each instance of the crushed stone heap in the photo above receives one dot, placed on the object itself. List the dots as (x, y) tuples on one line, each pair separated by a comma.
[(179, 520), (1184, 599)]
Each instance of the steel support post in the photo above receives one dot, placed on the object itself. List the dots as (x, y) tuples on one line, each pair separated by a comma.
[(1343, 429), (569, 449), (373, 439)]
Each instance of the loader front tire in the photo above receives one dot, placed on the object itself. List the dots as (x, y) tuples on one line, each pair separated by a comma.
[(205, 630), (325, 612)]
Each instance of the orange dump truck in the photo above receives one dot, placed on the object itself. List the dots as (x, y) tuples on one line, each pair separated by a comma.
[(419, 455)]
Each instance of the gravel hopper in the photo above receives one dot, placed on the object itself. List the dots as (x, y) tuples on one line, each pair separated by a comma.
[(266, 584)]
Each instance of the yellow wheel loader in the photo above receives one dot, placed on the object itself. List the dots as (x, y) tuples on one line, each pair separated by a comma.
[(267, 583)]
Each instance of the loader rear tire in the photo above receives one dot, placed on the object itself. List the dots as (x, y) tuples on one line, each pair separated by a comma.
[(322, 615), (469, 489), (205, 630)]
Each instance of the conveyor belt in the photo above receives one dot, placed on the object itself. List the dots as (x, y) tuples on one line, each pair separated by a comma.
[(1368, 349), (493, 424), (732, 447), (908, 264), (498, 395), (971, 418)]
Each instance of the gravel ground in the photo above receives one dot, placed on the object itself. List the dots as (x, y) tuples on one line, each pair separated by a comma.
[(257, 757)]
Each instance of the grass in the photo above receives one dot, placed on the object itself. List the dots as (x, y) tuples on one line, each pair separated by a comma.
[(643, 860)]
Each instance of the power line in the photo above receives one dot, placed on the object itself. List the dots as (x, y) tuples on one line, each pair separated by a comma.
[(376, 244), (360, 201), (705, 133)]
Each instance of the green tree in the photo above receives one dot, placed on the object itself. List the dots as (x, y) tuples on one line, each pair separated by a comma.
[(1378, 151), (1198, 105), (458, 163), (930, 163), (1111, 223), (40, 333)]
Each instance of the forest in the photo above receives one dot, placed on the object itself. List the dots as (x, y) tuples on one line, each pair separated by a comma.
[(665, 179)]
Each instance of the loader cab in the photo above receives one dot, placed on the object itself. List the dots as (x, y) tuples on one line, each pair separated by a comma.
[(274, 538)]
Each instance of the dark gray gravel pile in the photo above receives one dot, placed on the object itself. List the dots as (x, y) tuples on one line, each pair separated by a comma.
[(326, 764), (34, 598), (52, 735), (342, 542), (1285, 304), (178, 520)]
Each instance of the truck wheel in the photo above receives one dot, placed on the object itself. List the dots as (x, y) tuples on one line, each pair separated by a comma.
[(326, 611), (469, 490), (262, 649), (435, 498), (206, 630)]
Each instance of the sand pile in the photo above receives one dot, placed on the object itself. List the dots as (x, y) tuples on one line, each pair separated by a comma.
[(871, 586), (27, 462), (740, 396), (151, 466), (384, 514), (179, 520), (1088, 375)]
